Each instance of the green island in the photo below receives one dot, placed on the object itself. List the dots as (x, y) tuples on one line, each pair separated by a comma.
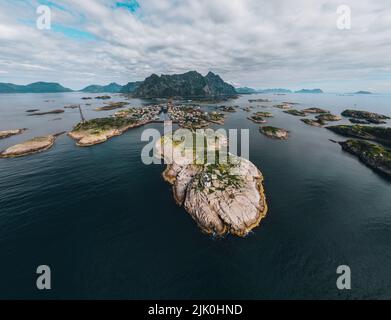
[(314, 123), (99, 130), (370, 117), (273, 132), (112, 106), (328, 117), (315, 110), (9, 133), (257, 118), (229, 109), (373, 155), (378, 134), (295, 112), (283, 106), (263, 114), (57, 111)]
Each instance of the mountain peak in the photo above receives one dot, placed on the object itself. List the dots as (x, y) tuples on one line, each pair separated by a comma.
[(189, 84)]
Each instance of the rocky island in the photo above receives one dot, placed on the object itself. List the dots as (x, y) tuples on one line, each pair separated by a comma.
[(295, 112), (9, 133), (368, 117), (112, 106), (99, 130), (273, 132), (378, 134), (228, 109), (373, 155), (315, 110), (57, 111), (314, 123), (257, 118), (328, 117), (222, 198), (31, 146), (283, 106)]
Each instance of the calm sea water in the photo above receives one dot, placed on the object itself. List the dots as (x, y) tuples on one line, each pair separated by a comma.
[(108, 227)]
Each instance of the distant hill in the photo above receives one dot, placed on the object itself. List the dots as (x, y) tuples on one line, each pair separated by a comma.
[(190, 84), (111, 88), (309, 91), (363, 92), (130, 87), (37, 87), (276, 90), (245, 90)]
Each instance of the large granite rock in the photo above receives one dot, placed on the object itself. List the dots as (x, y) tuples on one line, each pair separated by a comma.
[(222, 198)]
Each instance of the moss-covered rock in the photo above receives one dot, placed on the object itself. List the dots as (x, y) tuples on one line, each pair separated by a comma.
[(373, 155), (378, 134)]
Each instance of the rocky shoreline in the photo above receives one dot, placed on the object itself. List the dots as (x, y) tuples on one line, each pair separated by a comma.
[(223, 198), (35, 145), (374, 156), (275, 133), (100, 130), (9, 133), (368, 117), (377, 134)]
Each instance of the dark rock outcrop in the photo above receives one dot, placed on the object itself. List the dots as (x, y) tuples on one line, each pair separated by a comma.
[(373, 155), (189, 85)]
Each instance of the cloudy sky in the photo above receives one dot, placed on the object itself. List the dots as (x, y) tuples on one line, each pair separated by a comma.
[(259, 43)]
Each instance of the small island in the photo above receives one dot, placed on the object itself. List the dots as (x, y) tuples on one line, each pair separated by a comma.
[(310, 91), (263, 114), (295, 112), (369, 117), (363, 92), (314, 123), (223, 197), (315, 110), (275, 133), (102, 98), (258, 100), (257, 118), (378, 134), (374, 156), (99, 130), (359, 121), (9, 133), (228, 109), (283, 106), (28, 147), (112, 106), (328, 117), (57, 111)]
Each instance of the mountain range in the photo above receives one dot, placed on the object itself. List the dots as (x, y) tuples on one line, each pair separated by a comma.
[(111, 88), (246, 90), (309, 91), (190, 85), (36, 87)]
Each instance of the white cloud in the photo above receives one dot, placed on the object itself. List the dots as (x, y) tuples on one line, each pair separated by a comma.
[(258, 43)]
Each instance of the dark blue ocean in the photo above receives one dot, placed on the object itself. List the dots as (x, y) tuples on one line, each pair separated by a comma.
[(108, 227)]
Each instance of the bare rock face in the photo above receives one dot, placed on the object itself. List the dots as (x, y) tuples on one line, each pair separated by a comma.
[(222, 198), (34, 145), (10, 133)]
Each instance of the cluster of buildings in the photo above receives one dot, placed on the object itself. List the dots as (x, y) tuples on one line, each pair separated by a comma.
[(148, 113)]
